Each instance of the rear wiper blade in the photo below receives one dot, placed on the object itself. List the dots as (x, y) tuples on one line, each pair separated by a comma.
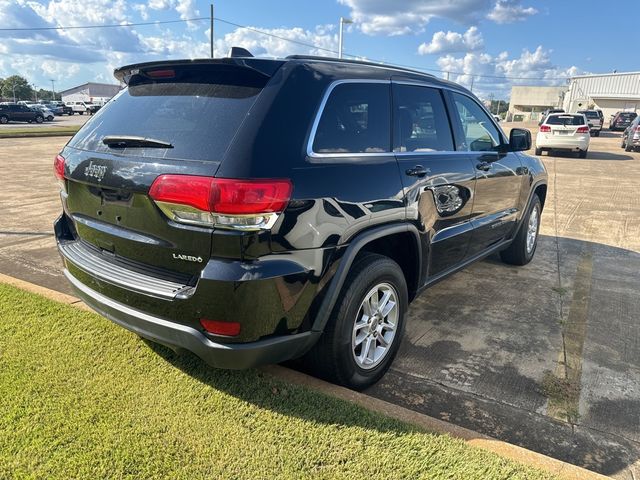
[(124, 141)]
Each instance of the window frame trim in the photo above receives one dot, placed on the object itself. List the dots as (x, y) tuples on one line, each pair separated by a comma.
[(316, 121)]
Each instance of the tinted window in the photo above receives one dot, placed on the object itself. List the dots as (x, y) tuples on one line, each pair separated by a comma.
[(628, 115), (591, 114), (198, 112), (565, 120), (480, 134), (420, 120), (355, 119)]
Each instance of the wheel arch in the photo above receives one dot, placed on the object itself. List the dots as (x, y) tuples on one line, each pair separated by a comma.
[(400, 242)]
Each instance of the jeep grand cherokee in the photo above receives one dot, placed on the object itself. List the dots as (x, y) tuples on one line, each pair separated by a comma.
[(255, 210)]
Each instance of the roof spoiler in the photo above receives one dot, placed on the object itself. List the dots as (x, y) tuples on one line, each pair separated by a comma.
[(235, 52)]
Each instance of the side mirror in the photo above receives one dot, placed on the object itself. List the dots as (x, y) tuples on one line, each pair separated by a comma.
[(519, 140)]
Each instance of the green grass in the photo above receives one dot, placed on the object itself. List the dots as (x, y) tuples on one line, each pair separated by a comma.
[(83, 398), (44, 131)]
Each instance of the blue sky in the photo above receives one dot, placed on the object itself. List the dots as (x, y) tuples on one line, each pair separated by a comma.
[(495, 43)]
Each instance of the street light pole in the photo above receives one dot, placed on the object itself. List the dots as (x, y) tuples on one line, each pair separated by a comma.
[(13, 88), (53, 89), (343, 21)]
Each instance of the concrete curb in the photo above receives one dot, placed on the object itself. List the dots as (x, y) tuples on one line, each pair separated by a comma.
[(522, 455)]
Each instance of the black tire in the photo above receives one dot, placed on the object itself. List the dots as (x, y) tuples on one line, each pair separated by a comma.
[(596, 133), (583, 153), (628, 147), (538, 151), (624, 143), (39, 119), (517, 253), (4, 119), (333, 357)]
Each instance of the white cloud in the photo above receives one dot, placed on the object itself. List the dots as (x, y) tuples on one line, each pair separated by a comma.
[(501, 71), (261, 45), (509, 11), (186, 8), (402, 17), (451, 42)]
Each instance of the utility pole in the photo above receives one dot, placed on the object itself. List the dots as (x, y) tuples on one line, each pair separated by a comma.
[(448, 75), (53, 89), (343, 21), (471, 84), (13, 88), (211, 31)]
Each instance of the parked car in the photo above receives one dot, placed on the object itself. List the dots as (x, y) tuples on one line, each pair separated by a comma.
[(631, 136), (19, 113), (79, 107), (564, 131), (48, 114), (55, 107), (497, 118), (622, 120), (548, 112), (594, 120), (258, 210)]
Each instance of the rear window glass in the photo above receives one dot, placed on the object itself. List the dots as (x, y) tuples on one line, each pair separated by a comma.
[(565, 120), (627, 115), (591, 114), (198, 111), (355, 119)]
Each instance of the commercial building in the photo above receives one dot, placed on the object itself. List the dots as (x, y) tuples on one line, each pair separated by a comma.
[(611, 93), (527, 103), (90, 92)]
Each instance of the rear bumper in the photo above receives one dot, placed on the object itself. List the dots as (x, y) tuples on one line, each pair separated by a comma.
[(230, 356), (557, 142)]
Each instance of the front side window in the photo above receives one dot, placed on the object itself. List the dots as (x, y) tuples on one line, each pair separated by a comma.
[(356, 119), (479, 132), (420, 120)]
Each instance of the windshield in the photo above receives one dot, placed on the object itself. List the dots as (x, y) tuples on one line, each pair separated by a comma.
[(197, 113), (565, 120)]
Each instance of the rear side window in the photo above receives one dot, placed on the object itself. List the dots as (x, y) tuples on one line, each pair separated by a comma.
[(420, 120), (565, 120), (356, 119), (198, 110)]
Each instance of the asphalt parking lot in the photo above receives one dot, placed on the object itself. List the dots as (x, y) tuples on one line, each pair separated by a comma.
[(58, 121), (546, 356)]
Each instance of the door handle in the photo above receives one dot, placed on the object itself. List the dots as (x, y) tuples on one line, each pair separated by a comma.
[(484, 166), (417, 171)]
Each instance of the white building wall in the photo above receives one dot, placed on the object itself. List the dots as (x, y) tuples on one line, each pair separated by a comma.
[(610, 93)]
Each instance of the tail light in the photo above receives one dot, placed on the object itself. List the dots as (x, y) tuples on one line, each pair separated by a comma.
[(545, 128), (221, 202), (58, 170), (582, 130)]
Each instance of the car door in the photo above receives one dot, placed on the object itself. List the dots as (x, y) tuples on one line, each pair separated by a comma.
[(438, 183), (23, 113), (499, 173)]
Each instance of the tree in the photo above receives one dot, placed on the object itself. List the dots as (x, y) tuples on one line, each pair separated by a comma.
[(18, 85)]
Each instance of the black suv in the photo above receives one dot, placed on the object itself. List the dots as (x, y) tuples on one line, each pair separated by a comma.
[(19, 113), (254, 210)]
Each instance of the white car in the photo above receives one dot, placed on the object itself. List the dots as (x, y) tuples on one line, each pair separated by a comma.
[(48, 114), (564, 131)]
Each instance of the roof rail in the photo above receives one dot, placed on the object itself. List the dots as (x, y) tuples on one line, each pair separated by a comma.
[(357, 62)]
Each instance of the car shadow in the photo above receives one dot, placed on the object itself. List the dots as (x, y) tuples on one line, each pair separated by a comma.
[(592, 155), (265, 391)]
